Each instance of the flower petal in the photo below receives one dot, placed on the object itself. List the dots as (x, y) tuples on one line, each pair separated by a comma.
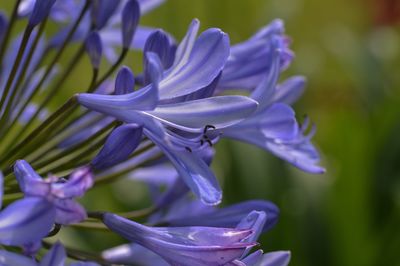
[(194, 171), (78, 183), (277, 258), (69, 212), (10, 258), (119, 145), (193, 116), (279, 122), (206, 61), (290, 90), (29, 181), (55, 257), (25, 221)]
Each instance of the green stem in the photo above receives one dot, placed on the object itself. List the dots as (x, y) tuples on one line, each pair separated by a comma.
[(22, 75), (112, 68), (50, 66), (79, 254), (21, 50), (53, 91), (7, 34), (16, 151), (105, 179), (74, 148)]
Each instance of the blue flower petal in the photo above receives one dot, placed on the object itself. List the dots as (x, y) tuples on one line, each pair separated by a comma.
[(194, 171), (55, 256), (10, 258), (205, 62), (25, 221), (290, 90), (119, 145), (193, 116), (277, 258)]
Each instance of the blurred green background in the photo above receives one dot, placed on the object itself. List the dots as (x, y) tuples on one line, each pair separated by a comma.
[(350, 52)]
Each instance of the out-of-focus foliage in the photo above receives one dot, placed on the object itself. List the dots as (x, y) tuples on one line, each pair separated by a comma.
[(350, 53)]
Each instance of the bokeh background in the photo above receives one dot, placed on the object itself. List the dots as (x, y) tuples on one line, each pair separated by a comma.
[(350, 52)]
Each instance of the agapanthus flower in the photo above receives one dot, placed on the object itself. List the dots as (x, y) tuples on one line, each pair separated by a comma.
[(160, 126)]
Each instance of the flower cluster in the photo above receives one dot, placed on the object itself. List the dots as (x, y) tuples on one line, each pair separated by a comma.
[(159, 127)]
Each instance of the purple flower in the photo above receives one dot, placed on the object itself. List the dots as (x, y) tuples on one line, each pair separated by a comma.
[(273, 126), (119, 145), (250, 60), (40, 11), (57, 192), (25, 221), (184, 245), (143, 107), (94, 48), (130, 20)]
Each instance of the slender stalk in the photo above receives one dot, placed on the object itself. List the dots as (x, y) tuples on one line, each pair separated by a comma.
[(92, 86), (112, 68), (75, 60), (9, 29), (111, 177), (22, 75), (74, 160), (13, 153), (74, 148), (51, 65), (58, 136), (21, 50), (79, 254)]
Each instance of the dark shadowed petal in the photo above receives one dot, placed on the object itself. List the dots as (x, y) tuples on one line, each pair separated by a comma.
[(68, 211), (125, 81), (55, 256), (10, 258), (3, 25), (102, 10), (159, 43), (290, 90), (194, 171), (25, 221), (277, 258), (130, 20), (40, 11), (94, 48), (193, 116), (205, 62), (29, 181), (119, 145)]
